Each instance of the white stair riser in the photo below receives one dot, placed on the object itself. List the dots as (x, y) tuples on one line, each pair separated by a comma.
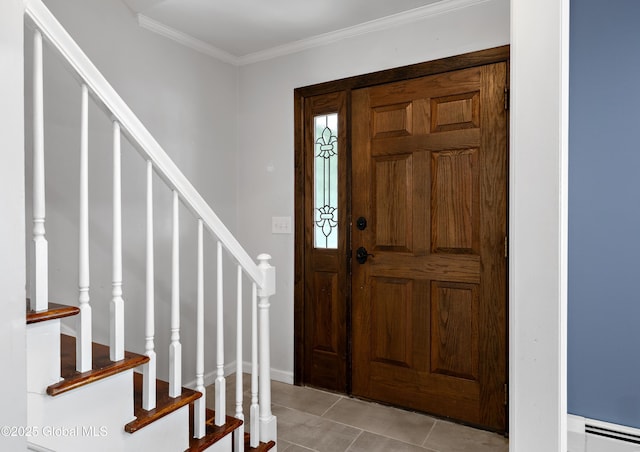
[(224, 445), (43, 355), (170, 433), (92, 417), (88, 418)]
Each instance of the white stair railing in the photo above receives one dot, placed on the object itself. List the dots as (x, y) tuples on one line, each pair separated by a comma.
[(220, 384), (254, 410), (262, 276), (268, 429), (239, 435), (116, 330), (175, 348), (200, 408), (83, 341), (40, 292), (149, 375)]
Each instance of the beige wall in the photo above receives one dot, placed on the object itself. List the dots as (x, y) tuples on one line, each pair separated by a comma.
[(188, 102), (265, 147)]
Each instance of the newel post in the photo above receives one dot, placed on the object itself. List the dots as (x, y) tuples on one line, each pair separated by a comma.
[(267, 419)]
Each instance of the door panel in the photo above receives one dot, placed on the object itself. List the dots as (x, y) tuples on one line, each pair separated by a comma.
[(429, 304), (455, 202), (391, 318), (392, 179), (326, 295), (454, 329)]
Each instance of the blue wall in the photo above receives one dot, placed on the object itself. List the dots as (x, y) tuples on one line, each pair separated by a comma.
[(604, 211)]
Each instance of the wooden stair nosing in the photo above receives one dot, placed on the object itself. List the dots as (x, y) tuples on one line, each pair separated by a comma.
[(164, 404), (103, 367), (214, 433), (54, 311), (262, 447)]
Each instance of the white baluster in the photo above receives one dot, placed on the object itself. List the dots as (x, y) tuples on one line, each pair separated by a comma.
[(267, 419), (40, 291), (149, 374), (200, 415), (239, 433), (220, 402), (175, 348), (83, 325), (254, 410), (117, 304)]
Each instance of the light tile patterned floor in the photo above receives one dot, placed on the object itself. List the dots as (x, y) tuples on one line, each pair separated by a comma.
[(313, 420)]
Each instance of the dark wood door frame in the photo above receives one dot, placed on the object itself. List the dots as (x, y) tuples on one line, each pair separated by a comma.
[(474, 59)]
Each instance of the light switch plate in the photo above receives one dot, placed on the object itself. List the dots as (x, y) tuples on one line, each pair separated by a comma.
[(281, 225)]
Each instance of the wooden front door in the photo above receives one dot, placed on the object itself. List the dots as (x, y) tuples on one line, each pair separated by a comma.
[(408, 166), (429, 176)]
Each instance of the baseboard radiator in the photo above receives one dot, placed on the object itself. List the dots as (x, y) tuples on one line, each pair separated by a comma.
[(578, 425), (613, 432)]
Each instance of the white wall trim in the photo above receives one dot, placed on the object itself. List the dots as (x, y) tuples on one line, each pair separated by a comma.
[(209, 379), (230, 369), (281, 376), (538, 226), (576, 424), (13, 379), (383, 23), (185, 39), (395, 20)]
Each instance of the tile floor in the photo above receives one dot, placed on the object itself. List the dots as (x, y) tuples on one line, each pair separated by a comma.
[(314, 420)]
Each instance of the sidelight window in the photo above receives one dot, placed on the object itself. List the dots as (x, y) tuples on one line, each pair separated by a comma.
[(326, 181)]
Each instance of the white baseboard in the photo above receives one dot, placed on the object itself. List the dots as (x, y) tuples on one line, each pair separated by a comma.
[(282, 376), (66, 329), (210, 378), (576, 424)]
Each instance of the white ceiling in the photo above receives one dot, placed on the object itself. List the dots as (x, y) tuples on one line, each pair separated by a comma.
[(244, 27)]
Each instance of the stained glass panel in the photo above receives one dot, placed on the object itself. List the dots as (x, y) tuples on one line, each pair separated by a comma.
[(326, 181)]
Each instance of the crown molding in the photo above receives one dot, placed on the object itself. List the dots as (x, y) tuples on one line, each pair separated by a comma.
[(395, 20), (185, 39), (404, 18)]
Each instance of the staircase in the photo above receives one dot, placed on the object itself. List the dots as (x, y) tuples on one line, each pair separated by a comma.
[(83, 395)]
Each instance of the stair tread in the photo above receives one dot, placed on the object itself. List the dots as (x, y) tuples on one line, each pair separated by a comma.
[(55, 311), (214, 433), (103, 367), (262, 447), (164, 404)]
